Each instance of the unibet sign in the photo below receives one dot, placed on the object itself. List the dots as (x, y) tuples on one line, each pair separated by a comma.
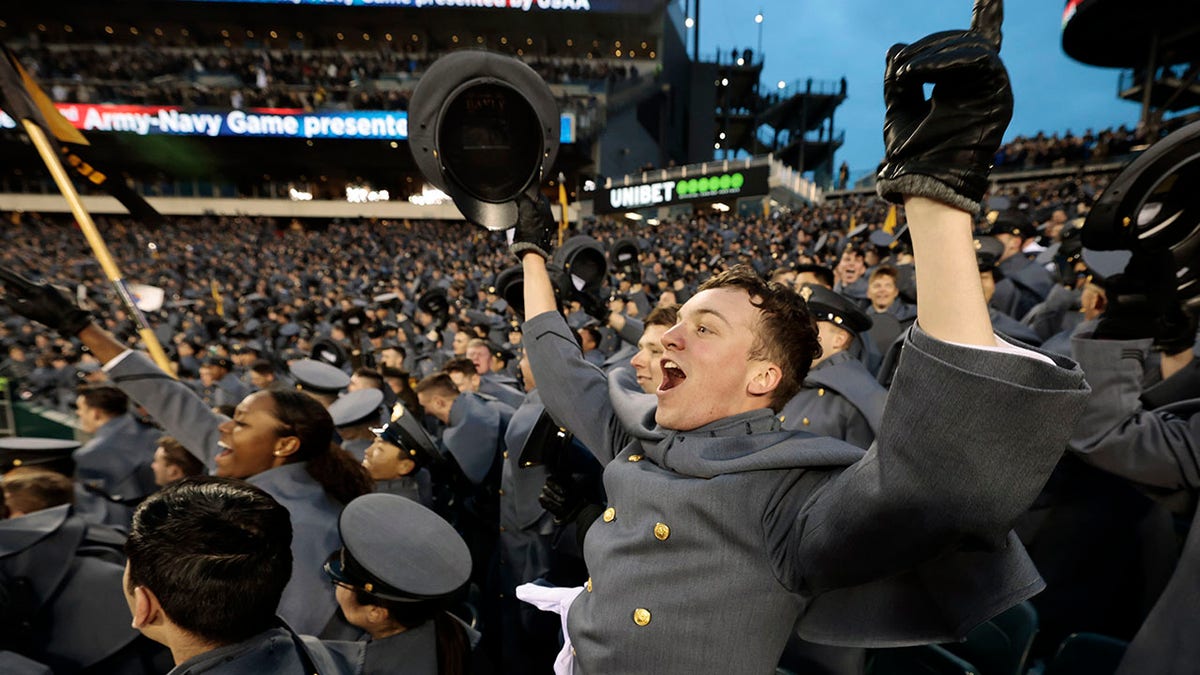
[(663, 193)]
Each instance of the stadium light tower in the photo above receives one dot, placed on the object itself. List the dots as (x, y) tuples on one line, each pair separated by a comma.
[(758, 19)]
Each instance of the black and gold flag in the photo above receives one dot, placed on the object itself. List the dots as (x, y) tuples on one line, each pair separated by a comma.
[(22, 98)]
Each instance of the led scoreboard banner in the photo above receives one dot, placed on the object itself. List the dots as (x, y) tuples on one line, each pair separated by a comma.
[(151, 120), (604, 6), (732, 184)]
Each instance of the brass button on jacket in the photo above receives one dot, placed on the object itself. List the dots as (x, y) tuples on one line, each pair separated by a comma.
[(641, 616), (609, 514), (588, 585), (661, 531), (635, 458)]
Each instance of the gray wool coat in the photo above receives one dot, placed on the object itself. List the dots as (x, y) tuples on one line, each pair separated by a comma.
[(1159, 448), (840, 399), (719, 540)]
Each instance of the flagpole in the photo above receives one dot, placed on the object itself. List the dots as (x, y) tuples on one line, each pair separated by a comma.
[(563, 205), (99, 249)]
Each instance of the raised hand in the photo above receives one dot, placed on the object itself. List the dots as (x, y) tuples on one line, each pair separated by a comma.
[(942, 148), (535, 226)]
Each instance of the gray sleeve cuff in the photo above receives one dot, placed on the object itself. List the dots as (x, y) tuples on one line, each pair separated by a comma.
[(917, 185)]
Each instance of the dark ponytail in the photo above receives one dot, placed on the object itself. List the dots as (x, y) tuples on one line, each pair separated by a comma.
[(452, 645), (335, 469)]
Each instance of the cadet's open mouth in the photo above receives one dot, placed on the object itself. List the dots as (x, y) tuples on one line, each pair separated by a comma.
[(672, 375)]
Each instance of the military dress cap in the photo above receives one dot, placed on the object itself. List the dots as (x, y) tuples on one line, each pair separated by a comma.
[(49, 453), (289, 329), (857, 232), (583, 259), (219, 361), (404, 431), (820, 244), (356, 407), (397, 550), (835, 308), (322, 378), (881, 239), (988, 250), (510, 285), (328, 350), (434, 301), (1012, 221)]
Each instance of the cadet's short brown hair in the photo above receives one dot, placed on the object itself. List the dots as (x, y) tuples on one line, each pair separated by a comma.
[(438, 384), (29, 489)]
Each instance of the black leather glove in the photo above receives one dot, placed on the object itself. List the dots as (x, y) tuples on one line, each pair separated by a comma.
[(535, 227), (43, 303), (561, 500), (594, 306), (1143, 303), (943, 148)]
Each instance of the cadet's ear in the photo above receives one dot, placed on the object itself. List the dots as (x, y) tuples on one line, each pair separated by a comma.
[(286, 445), (406, 466), (765, 379), (146, 609)]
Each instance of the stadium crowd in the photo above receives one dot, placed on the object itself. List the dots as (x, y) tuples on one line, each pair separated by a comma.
[(418, 312), (247, 77), (1040, 150), (723, 442)]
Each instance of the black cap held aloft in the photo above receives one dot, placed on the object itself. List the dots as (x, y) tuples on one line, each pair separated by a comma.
[(484, 128)]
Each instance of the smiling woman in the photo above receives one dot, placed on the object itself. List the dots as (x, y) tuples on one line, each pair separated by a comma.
[(280, 441)]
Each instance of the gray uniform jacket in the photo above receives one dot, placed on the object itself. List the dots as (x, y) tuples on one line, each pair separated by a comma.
[(1159, 449), (417, 487), (475, 435), (413, 652), (1006, 325), (742, 524), (840, 399), (629, 334), (78, 599), (501, 390), (229, 390), (275, 651), (308, 600), (117, 459), (525, 525), (1025, 284)]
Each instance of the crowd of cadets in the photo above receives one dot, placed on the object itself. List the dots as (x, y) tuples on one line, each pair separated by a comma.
[(377, 323)]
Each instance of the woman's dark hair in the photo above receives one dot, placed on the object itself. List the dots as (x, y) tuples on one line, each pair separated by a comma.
[(452, 643), (307, 419)]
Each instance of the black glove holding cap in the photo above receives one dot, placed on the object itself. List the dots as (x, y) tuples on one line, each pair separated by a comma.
[(943, 148), (48, 305), (594, 306), (535, 226)]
